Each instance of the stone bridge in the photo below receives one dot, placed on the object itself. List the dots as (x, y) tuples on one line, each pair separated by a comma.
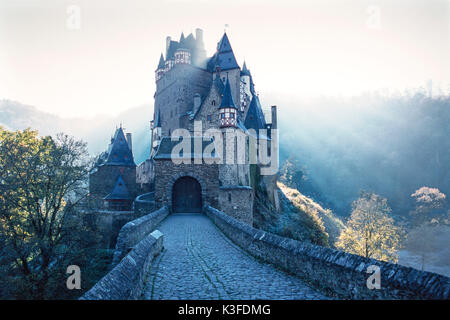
[(213, 256)]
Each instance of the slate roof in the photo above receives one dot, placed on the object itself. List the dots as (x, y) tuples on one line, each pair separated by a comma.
[(164, 151), (219, 84), (119, 192), (227, 98), (173, 46), (224, 56), (119, 154), (161, 62), (245, 71), (255, 117)]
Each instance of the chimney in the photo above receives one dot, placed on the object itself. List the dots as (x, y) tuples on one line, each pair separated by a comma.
[(199, 35), (274, 117), (168, 39), (129, 141)]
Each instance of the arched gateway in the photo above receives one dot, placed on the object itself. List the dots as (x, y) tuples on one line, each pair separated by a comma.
[(186, 195)]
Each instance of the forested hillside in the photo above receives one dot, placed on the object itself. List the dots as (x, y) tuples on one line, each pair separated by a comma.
[(331, 149)]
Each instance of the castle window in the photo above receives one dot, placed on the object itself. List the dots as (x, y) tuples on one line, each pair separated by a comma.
[(213, 102), (182, 56), (229, 196), (208, 117)]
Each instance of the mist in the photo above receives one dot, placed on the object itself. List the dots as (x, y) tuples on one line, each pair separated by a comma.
[(391, 144)]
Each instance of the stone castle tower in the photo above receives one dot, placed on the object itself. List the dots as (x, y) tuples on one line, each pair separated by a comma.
[(112, 183), (198, 95), (211, 93)]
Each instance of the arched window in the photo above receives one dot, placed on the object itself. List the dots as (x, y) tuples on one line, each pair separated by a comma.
[(213, 102)]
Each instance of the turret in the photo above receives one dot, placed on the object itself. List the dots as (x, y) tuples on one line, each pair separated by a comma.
[(168, 39), (160, 69), (227, 108), (245, 92), (199, 36), (182, 56)]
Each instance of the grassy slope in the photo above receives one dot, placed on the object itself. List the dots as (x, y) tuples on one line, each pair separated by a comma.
[(300, 218)]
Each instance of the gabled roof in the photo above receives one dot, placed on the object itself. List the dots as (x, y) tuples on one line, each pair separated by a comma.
[(227, 98), (166, 146), (190, 40), (119, 192), (161, 62), (119, 153), (224, 56), (255, 117)]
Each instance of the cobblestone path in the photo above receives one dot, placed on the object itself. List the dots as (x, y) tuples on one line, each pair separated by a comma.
[(199, 262)]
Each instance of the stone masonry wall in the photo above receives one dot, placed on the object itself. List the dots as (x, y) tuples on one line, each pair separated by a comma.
[(126, 280), (167, 173), (102, 182), (175, 94), (237, 202), (136, 230), (106, 224), (335, 272)]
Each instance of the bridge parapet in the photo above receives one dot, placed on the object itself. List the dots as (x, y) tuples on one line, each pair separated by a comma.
[(136, 230), (338, 273), (126, 280)]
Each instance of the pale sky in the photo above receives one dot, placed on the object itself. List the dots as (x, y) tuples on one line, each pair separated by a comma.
[(293, 48)]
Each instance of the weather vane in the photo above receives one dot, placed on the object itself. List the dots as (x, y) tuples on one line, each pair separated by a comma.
[(225, 28)]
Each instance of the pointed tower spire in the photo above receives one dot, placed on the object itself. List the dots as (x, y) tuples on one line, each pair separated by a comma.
[(161, 62), (255, 117), (227, 108), (119, 152), (227, 99), (224, 56), (245, 71), (182, 38)]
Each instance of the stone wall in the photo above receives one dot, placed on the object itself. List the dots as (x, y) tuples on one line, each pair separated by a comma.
[(136, 230), (237, 202), (175, 92), (335, 272), (168, 172), (106, 224), (126, 280), (102, 181), (145, 203)]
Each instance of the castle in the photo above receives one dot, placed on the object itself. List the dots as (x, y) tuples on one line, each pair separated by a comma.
[(196, 94)]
